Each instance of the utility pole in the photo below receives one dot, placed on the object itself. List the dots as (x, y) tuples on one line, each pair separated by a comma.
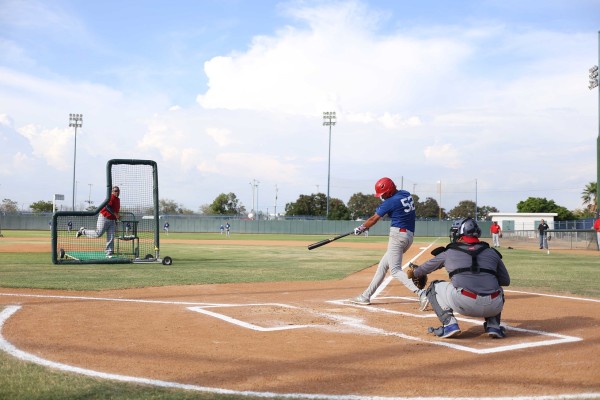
[(440, 206), (475, 199), (594, 81), (89, 201), (276, 192)]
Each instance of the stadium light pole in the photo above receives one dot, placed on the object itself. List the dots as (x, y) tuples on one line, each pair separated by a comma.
[(328, 120), (75, 121), (594, 81), (254, 185)]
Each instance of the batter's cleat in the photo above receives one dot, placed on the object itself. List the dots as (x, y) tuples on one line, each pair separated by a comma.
[(496, 333), (423, 301), (451, 330), (362, 300), (80, 232)]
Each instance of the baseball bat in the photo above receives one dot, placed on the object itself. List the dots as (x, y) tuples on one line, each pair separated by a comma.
[(327, 241)]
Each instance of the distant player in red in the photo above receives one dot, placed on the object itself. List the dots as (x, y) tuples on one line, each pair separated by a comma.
[(496, 232), (107, 221)]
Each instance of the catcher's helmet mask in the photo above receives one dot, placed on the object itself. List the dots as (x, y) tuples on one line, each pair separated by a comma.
[(468, 227)]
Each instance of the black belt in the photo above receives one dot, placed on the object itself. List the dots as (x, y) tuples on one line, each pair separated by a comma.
[(472, 295)]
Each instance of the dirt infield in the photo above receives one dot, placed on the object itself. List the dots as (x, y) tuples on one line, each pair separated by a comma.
[(306, 339)]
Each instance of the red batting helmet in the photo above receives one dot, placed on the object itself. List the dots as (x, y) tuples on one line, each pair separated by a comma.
[(385, 188)]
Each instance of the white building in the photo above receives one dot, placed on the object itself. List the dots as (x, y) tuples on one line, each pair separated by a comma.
[(522, 221)]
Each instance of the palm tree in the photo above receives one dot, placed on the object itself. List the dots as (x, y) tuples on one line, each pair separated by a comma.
[(589, 197)]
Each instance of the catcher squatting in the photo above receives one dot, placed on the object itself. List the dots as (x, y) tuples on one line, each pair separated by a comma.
[(476, 271)]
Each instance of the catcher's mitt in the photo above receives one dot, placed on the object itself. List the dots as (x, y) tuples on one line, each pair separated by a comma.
[(410, 272)]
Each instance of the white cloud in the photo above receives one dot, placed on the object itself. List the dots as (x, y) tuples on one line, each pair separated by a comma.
[(221, 136), (444, 155), (303, 71), (50, 144), (6, 120), (475, 91)]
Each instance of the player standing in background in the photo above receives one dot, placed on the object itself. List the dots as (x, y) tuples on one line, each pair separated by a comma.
[(106, 223), (495, 230), (597, 228), (70, 225), (476, 275), (400, 207), (543, 235), (227, 229), (166, 227)]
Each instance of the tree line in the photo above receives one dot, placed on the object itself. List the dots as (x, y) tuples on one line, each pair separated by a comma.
[(360, 206)]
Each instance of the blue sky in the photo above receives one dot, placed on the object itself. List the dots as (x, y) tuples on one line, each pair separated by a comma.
[(489, 98)]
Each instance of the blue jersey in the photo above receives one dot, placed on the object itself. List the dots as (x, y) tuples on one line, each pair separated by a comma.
[(401, 209)]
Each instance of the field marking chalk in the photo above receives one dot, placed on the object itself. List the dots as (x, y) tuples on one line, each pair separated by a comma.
[(248, 325)]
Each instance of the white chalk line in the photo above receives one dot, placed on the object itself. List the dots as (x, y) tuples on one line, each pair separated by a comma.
[(7, 347), (353, 322), (560, 339), (248, 325), (554, 296), (202, 308)]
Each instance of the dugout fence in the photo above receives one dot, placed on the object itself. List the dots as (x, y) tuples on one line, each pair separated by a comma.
[(565, 239)]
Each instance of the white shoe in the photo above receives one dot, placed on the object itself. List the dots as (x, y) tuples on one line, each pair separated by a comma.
[(362, 300)]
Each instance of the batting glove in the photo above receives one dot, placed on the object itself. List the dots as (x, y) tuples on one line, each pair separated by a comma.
[(359, 230)]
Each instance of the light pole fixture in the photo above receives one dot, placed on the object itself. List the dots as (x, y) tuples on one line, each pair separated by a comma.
[(594, 81), (75, 121), (328, 120)]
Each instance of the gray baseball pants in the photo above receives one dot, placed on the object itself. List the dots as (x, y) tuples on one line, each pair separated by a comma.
[(398, 244), (103, 225)]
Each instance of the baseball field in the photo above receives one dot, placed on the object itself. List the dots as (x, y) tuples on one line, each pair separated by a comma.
[(260, 316)]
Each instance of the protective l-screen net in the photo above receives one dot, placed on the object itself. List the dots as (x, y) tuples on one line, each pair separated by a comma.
[(135, 235)]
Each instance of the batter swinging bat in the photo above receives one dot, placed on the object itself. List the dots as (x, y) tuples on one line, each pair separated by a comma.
[(327, 241)]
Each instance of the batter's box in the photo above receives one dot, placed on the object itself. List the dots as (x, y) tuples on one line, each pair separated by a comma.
[(527, 338), (264, 317)]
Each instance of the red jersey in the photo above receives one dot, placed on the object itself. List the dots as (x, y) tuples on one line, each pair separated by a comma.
[(114, 204), (597, 225), (495, 228)]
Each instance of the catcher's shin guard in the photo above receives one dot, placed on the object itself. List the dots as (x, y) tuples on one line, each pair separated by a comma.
[(492, 321), (445, 316)]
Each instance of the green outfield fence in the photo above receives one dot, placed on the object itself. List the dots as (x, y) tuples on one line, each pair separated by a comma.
[(211, 224), (569, 238)]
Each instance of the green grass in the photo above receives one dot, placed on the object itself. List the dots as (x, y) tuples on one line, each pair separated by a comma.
[(564, 273), (219, 262)]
